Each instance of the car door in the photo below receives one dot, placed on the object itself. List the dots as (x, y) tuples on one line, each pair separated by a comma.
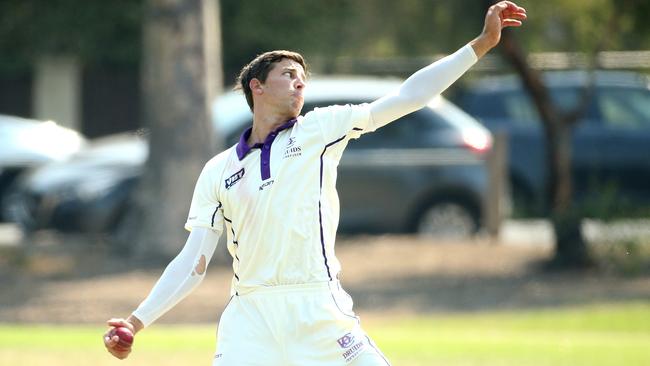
[(620, 144)]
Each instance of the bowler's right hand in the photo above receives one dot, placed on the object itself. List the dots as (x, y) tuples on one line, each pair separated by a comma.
[(111, 343)]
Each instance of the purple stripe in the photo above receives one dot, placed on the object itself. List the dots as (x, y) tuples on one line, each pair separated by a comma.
[(213, 215), (320, 215), (265, 163), (372, 344), (341, 310), (234, 242)]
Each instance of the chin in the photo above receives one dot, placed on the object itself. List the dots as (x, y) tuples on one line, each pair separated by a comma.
[(295, 110)]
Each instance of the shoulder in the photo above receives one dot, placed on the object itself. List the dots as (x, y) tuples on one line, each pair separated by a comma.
[(340, 120), (219, 161), (339, 112)]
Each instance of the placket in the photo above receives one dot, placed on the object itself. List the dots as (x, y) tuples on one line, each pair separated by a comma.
[(265, 157)]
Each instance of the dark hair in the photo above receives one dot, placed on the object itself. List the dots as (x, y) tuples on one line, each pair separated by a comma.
[(259, 69)]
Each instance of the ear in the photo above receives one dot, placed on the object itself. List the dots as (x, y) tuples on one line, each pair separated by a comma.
[(256, 86)]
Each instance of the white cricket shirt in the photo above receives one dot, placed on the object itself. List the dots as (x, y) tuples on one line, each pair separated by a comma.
[(278, 199)]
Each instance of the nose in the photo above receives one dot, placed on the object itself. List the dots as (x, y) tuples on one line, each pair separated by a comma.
[(300, 84)]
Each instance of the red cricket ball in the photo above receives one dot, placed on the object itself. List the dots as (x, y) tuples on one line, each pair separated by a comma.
[(125, 335)]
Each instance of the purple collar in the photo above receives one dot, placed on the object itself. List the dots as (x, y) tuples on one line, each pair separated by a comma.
[(242, 147)]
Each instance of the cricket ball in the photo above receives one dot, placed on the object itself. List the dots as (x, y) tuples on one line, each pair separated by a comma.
[(125, 335)]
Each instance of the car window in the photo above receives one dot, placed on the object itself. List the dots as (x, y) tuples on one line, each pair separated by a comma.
[(484, 105), (518, 107), (512, 105), (625, 107)]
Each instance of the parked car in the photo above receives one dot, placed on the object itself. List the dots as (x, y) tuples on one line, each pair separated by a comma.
[(610, 143), (87, 193), (26, 143), (423, 174)]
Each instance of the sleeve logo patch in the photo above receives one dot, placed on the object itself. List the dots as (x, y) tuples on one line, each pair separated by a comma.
[(346, 341), (234, 178)]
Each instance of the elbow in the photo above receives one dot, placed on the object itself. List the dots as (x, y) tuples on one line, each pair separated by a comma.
[(200, 267)]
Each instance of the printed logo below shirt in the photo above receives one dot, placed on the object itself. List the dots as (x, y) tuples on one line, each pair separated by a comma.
[(234, 178), (346, 341), (352, 346)]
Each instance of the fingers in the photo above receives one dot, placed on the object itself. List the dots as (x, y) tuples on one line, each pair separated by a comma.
[(510, 9), (509, 5), (113, 347), (510, 14), (112, 342), (511, 23), (119, 322)]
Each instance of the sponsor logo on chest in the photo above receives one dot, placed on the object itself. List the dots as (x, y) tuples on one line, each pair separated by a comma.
[(234, 178), (292, 149)]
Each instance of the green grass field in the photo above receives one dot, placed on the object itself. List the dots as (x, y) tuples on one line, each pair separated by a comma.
[(614, 334)]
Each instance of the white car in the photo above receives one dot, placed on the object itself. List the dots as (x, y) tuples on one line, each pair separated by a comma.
[(27, 143)]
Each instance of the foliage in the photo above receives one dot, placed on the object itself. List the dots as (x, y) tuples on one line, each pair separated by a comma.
[(109, 32), (580, 25), (370, 28), (94, 31)]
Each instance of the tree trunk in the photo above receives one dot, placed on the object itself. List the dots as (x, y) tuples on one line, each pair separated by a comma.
[(179, 76), (570, 247)]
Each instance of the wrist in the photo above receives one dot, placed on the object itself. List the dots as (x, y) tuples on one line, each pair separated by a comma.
[(135, 323), (483, 44)]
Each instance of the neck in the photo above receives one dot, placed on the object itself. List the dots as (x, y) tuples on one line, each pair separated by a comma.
[(263, 125)]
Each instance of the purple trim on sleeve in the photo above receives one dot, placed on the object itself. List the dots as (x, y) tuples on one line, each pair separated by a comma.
[(265, 158), (320, 215), (214, 214)]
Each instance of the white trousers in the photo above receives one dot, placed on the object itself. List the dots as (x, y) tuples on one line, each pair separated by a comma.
[(294, 325)]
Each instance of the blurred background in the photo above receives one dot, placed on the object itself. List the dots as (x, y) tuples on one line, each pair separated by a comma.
[(521, 196)]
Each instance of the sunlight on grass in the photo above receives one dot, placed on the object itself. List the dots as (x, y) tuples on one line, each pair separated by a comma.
[(616, 334)]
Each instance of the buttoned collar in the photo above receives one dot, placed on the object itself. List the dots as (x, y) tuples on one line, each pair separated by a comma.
[(242, 147)]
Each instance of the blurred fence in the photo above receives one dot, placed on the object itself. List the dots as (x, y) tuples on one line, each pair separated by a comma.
[(632, 60)]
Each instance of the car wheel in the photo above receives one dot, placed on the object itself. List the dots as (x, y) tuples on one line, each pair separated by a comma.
[(447, 220)]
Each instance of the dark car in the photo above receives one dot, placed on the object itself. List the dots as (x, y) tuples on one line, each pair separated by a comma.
[(26, 143), (424, 174), (87, 193), (610, 142)]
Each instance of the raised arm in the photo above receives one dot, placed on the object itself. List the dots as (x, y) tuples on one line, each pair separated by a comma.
[(432, 80), (181, 276)]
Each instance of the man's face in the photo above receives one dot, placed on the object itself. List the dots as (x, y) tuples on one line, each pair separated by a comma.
[(284, 87)]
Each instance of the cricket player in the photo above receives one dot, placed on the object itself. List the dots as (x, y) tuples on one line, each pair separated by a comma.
[(274, 193)]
